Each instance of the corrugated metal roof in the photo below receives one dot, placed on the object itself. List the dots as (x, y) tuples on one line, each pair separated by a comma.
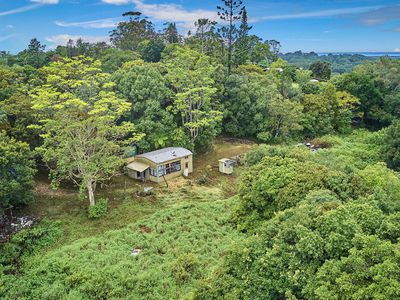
[(166, 154), (138, 166)]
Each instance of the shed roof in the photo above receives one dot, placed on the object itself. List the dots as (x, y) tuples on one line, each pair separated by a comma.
[(224, 159), (166, 154), (138, 166)]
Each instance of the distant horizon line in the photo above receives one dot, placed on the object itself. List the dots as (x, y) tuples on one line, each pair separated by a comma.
[(392, 53), (366, 51)]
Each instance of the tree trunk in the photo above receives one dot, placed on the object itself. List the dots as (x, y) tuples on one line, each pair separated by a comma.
[(89, 186)]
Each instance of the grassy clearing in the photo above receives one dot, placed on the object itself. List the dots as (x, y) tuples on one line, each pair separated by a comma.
[(125, 206)]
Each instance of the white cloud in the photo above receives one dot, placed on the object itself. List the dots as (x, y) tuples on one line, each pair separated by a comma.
[(397, 50), (116, 2), (6, 37), (62, 39), (169, 12), (46, 1), (156, 12), (381, 15), (320, 13), (37, 3), (19, 10), (174, 13), (101, 23)]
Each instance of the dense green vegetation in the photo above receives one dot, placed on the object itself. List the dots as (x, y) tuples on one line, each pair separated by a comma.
[(341, 63), (16, 172), (177, 252), (316, 208), (336, 224), (314, 230)]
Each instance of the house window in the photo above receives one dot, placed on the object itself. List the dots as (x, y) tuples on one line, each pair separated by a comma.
[(162, 170), (170, 168), (153, 172), (186, 165), (175, 166)]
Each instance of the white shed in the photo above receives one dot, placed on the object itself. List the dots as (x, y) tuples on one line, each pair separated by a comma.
[(226, 166)]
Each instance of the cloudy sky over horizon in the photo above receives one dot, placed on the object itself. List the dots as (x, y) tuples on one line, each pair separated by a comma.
[(307, 25)]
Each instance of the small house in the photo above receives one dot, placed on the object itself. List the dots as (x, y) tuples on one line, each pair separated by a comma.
[(161, 165), (226, 166)]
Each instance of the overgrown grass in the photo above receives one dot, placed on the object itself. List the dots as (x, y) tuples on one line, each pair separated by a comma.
[(346, 153), (351, 152), (180, 247)]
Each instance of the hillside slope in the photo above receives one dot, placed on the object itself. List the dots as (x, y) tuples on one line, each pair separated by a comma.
[(179, 246)]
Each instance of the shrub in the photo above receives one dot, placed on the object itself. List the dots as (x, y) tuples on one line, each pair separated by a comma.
[(99, 209), (185, 267), (277, 183), (205, 177), (27, 242), (321, 249)]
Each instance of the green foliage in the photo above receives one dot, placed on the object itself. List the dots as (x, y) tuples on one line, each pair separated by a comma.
[(26, 243), (185, 268), (328, 111), (206, 176), (246, 101), (391, 149), (205, 39), (129, 34), (150, 50), (321, 70), (145, 88), (321, 249), (34, 55), (285, 118), (8, 77), (383, 184), (321, 224), (370, 271), (277, 183), (353, 152), (341, 63), (19, 116), (177, 252), (99, 209), (231, 12), (372, 91), (316, 228), (79, 111), (17, 169), (112, 59), (191, 76), (319, 110)]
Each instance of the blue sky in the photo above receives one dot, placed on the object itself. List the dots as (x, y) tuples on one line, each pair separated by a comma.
[(307, 25)]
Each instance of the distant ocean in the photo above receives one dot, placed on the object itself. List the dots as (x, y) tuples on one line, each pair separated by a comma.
[(369, 54)]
